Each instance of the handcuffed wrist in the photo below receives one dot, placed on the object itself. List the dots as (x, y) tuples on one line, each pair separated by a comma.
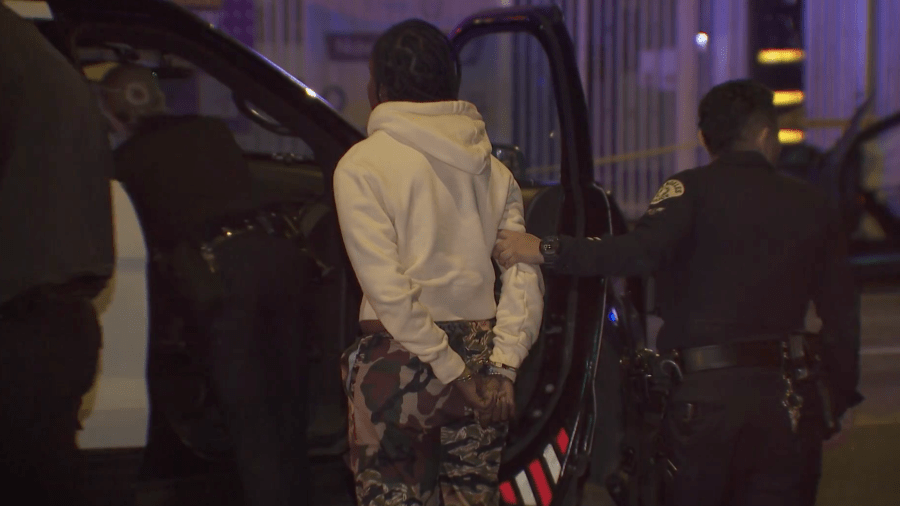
[(500, 369), (466, 375), (501, 365)]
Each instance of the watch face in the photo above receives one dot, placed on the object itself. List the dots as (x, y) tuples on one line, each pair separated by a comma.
[(549, 246)]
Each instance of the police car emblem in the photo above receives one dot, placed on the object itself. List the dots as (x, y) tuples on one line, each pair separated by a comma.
[(672, 188)]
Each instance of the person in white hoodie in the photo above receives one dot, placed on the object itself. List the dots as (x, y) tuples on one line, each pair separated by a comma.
[(420, 204)]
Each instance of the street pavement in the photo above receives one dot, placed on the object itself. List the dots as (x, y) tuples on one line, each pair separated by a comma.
[(862, 465)]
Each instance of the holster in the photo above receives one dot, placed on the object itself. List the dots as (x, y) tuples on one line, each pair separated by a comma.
[(811, 368), (644, 472)]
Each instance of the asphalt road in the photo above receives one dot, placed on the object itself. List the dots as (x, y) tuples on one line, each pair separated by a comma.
[(862, 465)]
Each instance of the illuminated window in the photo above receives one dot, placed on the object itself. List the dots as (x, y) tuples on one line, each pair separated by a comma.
[(780, 56), (790, 136), (787, 97)]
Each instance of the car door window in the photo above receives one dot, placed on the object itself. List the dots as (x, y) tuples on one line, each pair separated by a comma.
[(284, 169), (190, 90), (507, 76), (881, 172)]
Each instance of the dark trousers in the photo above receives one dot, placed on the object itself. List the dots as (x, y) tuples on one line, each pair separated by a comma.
[(49, 346), (730, 438), (257, 357)]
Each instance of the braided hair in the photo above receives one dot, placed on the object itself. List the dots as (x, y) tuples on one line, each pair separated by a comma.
[(733, 111), (414, 61)]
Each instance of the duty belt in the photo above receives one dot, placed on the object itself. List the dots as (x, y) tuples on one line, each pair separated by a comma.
[(652, 377), (795, 354), (761, 353)]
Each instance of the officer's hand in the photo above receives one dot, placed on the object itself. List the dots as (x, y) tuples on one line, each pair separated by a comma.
[(501, 389), (517, 247)]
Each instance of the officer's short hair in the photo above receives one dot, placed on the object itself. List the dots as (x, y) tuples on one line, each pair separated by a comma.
[(414, 61), (733, 111), (131, 92)]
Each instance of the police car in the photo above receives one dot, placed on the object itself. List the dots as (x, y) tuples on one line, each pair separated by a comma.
[(519, 68)]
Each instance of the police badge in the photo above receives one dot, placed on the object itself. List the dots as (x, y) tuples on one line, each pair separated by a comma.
[(671, 188)]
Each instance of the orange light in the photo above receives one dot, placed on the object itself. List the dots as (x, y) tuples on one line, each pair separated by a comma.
[(780, 56), (787, 97), (790, 136)]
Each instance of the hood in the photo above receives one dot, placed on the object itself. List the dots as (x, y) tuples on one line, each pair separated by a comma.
[(452, 131)]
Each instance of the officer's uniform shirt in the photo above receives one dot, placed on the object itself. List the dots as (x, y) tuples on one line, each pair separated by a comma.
[(181, 172), (739, 250), (55, 167)]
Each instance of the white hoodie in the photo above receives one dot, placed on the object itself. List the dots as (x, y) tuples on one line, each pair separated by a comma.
[(420, 203)]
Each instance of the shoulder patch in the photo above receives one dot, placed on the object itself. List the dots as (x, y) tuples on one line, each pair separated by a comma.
[(672, 188)]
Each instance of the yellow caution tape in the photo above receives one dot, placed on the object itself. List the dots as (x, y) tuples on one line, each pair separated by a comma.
[(806, 124), (647, 153)]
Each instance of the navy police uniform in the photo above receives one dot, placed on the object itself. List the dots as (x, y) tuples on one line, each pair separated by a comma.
[(235, 275), (739, 250), (56, 254)]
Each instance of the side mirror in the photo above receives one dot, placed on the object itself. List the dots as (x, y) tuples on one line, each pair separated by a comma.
[(511, 156)]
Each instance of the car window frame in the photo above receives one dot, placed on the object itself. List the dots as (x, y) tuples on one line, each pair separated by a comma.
[(241, 87)]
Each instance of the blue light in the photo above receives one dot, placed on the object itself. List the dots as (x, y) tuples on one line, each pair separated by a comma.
[(613, 315)]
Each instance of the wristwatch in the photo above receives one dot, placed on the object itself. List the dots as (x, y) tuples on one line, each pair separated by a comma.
[(550, 249)]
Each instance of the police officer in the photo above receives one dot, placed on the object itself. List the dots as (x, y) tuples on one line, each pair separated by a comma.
[(231, 270), (739, 251), (56, 254)]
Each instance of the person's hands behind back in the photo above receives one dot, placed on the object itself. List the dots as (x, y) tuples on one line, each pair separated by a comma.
[(471, 386), (492, 398), (502, 391)]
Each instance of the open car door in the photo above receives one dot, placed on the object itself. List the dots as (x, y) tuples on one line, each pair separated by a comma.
[(859, 174), (518, 68), (868, 171)]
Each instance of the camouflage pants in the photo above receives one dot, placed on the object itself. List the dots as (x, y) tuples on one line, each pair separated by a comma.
[(412, 439)]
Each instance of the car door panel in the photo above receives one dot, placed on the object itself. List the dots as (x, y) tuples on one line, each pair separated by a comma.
[(548, 447)]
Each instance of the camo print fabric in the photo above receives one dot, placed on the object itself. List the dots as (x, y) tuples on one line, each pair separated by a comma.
[(412, 439)]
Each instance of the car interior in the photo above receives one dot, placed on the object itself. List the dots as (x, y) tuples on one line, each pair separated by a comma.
[(284, 171)]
